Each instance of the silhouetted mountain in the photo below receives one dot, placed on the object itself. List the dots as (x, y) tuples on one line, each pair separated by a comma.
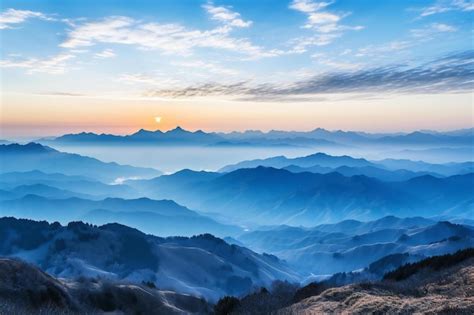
[(201, 265), (317, 137), (160, 217), (177, 136), (34, 156)]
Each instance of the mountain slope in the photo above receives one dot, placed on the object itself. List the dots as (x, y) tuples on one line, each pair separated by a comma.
[(75, 184), (25, 289), (351, 245), (275, 196), (33, 156), (445, 290), (201, 265), (160, 217)]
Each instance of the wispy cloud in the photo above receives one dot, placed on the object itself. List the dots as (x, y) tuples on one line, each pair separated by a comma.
[(58, 93), (381, 49), (106, 53), (445, 6), (148, 79), (428, 32), (54, 65), (449, 74), (226, 16), (326, 25), (416, 37), (167, 38), (10, 17)]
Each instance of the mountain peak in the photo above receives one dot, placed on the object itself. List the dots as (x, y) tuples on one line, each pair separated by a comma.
[(176, 130)]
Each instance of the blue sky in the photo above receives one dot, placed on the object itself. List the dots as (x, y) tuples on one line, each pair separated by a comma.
[(305, 54)]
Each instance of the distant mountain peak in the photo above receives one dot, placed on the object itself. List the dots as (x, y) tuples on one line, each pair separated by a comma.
[(178, 129), (31, 147)]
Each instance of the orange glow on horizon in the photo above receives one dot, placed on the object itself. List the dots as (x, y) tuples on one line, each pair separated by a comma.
[(50, 116)]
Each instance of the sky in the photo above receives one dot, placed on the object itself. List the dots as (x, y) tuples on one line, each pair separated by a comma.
[(118, 66)]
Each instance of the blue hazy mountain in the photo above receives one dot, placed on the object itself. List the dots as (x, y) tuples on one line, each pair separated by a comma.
[(266, 195), (369, 171), (351, 244), (177, 136), (446, 169), (319, 159), (416, 138), (317, 137), (81, 186), (456, 137), (34, 156), (325, 163), (40, 190), (201, 265), (160, 217)]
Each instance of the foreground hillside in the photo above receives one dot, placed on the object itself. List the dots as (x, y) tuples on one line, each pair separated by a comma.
[(437, 290), (436, 285), (203, 265), (24, 289)]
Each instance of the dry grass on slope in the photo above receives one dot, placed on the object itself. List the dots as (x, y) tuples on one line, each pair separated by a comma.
[(449, 291)]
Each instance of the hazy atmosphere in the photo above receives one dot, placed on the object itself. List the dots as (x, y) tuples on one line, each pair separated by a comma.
[(236, 157)]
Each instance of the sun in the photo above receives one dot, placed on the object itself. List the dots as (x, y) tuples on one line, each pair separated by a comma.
[(158, 119)]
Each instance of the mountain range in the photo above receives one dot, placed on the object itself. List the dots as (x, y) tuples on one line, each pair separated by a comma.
[(316, 137), (265, 195), (351, 245), (160, 217), (347, 165)]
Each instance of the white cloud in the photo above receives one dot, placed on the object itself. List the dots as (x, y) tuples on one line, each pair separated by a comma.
[(11, 16), (428, 32), (167, 38), (107, 53), (445, 6), (325, 24), (377, 50), (308, 6), (226, 16), (54, 65)]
